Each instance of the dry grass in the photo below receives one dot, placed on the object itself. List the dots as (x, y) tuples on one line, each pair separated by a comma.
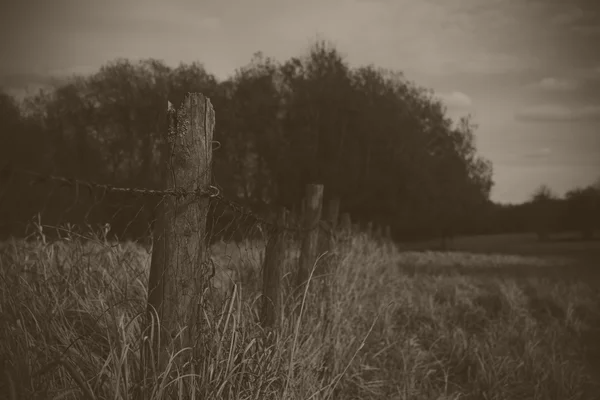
[(406, 326)]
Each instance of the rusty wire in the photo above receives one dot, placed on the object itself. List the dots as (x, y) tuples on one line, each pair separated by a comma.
[(212, 193)]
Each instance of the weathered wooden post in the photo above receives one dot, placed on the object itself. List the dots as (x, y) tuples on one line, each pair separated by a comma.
[(328, 282), (327, 236), (346, 224), (295, 218), (274, 259), (333, 211), (310, 235), (345, 229), (178, 273)]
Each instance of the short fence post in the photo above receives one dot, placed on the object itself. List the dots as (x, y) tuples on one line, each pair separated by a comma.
[(333, 213), (177, 273), (327, 238), (328, 284), (346, 223), (310, 235), (294, 220), (274, 259)]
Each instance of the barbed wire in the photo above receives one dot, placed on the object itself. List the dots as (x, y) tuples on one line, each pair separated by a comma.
[(213, 192), (246, 212), (7, 171)]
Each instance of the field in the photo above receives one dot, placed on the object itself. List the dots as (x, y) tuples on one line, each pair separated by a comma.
[(500, 317)]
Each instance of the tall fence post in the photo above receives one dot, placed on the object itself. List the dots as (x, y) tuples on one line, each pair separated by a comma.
[(310, 235), (327, 237), (333, 210), (345, 229), (178, 273), (274, 259)]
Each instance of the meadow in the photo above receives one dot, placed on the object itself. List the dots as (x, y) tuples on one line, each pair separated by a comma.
[(495, 318)]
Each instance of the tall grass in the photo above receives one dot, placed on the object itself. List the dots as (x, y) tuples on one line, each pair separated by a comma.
[(72, 326)]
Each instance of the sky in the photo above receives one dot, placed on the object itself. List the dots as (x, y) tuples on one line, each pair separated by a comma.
[(528, 71)]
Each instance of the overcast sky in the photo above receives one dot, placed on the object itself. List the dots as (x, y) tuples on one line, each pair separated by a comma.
[(527, 70)]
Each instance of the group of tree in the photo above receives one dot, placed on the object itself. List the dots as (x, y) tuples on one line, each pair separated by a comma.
[(548, 214), (379, 142)]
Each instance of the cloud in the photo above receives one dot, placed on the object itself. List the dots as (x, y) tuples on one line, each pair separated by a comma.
[(557, 84), (485, 62), (23, 84), (210, 23), (568, 17), (587, 30), (457, 39), (558, 113), (455, 99), (539, 153), (75, 70), (19, 81), (22, 92)]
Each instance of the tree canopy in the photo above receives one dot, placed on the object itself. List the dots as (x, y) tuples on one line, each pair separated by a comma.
[(381, 143)]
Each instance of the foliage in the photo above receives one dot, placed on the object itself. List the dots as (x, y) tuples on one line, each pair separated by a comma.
[(583, 210), (547, 214), (377, 140)]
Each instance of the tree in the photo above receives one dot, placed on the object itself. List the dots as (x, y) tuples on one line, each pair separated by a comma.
[(381, 143), (543, 213), (583, 209)]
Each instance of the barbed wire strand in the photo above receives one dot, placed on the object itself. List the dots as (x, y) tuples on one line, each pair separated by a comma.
[(213, 192)]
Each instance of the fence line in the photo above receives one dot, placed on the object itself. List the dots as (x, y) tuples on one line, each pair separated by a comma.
[(179, 273), (213, 192)]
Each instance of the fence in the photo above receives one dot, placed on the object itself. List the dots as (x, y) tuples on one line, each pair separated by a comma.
[(183, 220)]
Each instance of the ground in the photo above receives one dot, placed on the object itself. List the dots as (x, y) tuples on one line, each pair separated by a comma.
[(498, 317)]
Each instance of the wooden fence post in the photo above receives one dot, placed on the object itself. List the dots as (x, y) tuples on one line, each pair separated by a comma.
[(177, 271), (274, 259), (345, 229), (346, 223), (310, 235), (327, 237), (295, 220), (333, 210)]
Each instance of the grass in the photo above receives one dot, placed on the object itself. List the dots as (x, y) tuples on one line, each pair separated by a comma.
[(406, 325), (564, 245)]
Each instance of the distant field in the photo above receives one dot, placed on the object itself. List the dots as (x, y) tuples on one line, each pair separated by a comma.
[(564, 246), (406, 325)]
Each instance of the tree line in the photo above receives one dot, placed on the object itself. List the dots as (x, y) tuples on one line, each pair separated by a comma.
[(381, 143), (547, 214)]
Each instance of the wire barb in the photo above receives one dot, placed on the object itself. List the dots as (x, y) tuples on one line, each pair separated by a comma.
[(213, 192)]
